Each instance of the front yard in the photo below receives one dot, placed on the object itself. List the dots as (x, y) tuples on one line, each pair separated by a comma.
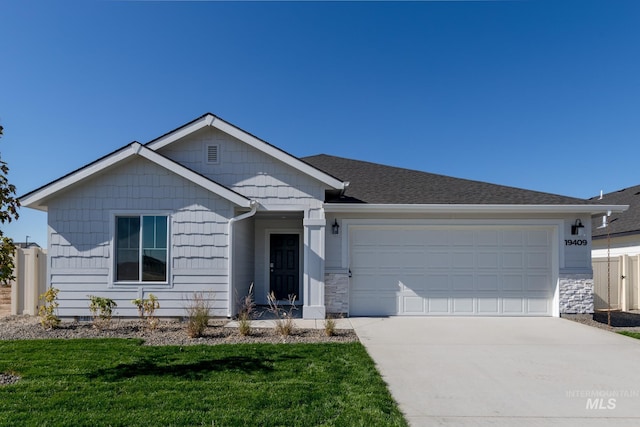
[(120, 382)]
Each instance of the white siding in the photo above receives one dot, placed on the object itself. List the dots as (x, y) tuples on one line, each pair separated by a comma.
[(246, 170), (80, 227)]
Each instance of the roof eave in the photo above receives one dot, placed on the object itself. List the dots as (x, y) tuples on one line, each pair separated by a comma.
[(38, 198), (469, 208)]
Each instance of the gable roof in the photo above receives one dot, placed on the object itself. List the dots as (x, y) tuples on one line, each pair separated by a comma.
[(209, 119), (620, 223), (38, 198), (372, 183)]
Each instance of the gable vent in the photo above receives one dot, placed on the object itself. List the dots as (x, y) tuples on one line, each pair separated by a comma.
[(213, 153)]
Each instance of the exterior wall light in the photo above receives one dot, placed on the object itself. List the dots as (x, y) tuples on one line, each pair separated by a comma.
[(335, 228), (577, 229)]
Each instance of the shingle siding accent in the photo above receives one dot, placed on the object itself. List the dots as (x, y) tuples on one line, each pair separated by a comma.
[(80, 237), (246, 170)]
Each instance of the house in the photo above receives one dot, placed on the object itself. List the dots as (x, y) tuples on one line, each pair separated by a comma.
[(616, 252), (209, 207)]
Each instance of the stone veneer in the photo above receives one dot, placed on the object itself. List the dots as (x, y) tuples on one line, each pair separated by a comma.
[(576, 293), (336, 293)]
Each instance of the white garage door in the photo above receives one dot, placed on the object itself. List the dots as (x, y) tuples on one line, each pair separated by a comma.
[(449, 270)]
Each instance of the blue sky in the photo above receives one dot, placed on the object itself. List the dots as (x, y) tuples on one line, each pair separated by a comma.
[(543, 95)]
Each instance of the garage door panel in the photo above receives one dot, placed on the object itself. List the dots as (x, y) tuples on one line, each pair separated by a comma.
[(462, 282), (413, 304), (463, 306), (513, 305), (488, 282), (448, 271), (438, 260), (438, 305), (488, 260), (462, 259), (513, 282), (488, 306), (512, 260), (437, 282)]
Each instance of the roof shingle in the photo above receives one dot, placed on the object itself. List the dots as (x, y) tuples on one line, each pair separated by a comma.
[(621, 222), (376, 183)]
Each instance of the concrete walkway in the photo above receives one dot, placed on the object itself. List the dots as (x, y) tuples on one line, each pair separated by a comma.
[(505, 371)]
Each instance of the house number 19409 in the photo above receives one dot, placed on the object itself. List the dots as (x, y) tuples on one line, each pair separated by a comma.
[(575, 243)]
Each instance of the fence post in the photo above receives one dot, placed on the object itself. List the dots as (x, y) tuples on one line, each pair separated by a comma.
[(624, 289)]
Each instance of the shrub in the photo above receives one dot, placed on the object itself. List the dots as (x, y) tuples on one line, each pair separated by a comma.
[(101, 310), (246, 313), (147, 308), (330, 326), (48, 312), (198, 312), (284, 317)]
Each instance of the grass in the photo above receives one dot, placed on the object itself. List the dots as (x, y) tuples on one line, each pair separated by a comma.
[(635, 335), (120, 382)]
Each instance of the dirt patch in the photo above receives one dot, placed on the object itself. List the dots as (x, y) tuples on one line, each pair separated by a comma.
[(620, 320), (167, 333)]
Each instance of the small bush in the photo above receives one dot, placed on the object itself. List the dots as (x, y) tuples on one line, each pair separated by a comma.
[(198, 312), (330, 326), (48, 312), (147, 308), (284, 317), (101, 310), (246, 313)]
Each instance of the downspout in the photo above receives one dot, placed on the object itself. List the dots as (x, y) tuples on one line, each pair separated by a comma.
[(254, 207)]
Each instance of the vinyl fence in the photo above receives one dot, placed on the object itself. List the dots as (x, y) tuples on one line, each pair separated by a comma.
[(617, 279), (31, 280)]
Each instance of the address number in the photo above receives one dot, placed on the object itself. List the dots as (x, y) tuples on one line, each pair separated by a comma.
[(575, 243)]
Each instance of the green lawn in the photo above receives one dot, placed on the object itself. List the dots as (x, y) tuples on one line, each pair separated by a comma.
[(117, 382), (631, 334)]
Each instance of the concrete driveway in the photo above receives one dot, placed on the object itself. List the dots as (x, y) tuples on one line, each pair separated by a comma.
[(520, 372)]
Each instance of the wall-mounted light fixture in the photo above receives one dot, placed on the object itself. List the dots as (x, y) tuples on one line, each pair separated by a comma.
[(335, 228), (577, 229)]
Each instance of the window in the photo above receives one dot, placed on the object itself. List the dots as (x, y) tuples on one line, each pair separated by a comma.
[(141, 248)]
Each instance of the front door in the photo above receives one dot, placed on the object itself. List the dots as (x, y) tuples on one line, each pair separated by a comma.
[(284, 265)]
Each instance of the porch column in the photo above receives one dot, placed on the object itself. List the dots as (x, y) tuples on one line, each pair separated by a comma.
[(313, 275)]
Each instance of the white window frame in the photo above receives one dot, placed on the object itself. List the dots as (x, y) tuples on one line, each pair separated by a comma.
[(113, 230)]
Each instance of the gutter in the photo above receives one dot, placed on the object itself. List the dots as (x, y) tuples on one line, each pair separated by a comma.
[(254, 207), (461, 208)]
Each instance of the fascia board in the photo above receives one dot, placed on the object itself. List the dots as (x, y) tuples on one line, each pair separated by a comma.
[(276, 153), (36, 199), (451, 208), (197, 179)]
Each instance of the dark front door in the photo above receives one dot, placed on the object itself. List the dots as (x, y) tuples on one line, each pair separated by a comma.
[(285, 265)]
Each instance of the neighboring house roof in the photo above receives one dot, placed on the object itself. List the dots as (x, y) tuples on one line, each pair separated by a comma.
[(26, 245), (38, 198), (619, 223), (380, 184), (209, 119)]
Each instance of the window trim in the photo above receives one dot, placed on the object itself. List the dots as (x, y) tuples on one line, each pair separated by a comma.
[(114, 215)]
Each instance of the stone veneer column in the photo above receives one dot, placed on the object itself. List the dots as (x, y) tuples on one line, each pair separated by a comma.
[(576, 293), (336, 293)]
